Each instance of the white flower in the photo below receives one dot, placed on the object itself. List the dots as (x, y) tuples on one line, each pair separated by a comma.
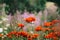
[(31, 32), (4, 19), (5, 28), (1, 29), (7, 25)]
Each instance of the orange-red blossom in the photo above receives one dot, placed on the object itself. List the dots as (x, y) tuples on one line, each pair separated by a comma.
[(21, 25), (38, 28), (17, 34), (1, 35), (50, 35), (47, 24), (35, 36), (30, 19), (55, 21)]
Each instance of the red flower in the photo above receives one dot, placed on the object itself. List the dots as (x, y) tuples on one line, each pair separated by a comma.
[(35, 36), (21, 25), (55, 38), (55, 21), (30, 19), (53, 28), (24, 34), (18, 34), (47, 36), (57, 33), (29, 38), (11, 33), (38, 28), (9, 36), (47, 24), (1, 35), (46, 29), (50, 35)]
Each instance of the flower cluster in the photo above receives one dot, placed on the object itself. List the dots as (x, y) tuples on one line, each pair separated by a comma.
[(40, 32), (22, 34)]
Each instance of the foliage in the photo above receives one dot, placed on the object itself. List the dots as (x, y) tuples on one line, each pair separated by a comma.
[(21, 5)]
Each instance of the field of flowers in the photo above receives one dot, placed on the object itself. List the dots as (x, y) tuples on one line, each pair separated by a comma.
[(44, 25), (28, 27)]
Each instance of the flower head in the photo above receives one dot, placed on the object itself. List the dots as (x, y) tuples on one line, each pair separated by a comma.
[(1, 35), (55, 21), (47, 24), (24, 34), (46, 29), (50, 35), (21, 25), (30, 19), (38, 28), (35, 36)]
